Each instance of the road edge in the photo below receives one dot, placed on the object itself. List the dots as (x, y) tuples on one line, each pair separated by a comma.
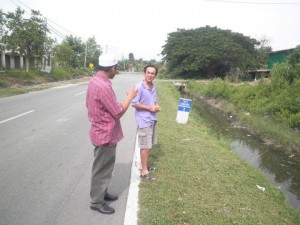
[(132, 206)]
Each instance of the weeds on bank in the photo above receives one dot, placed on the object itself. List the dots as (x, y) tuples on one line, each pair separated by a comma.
[(270, 111), (200, 180)]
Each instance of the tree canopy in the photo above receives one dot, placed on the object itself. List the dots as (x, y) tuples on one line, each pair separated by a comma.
[(208, 52), (294, 57), (28, 37), (25, 36)]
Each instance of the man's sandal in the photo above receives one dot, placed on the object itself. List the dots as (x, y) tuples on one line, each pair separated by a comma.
[(151, 168), (148, 176)]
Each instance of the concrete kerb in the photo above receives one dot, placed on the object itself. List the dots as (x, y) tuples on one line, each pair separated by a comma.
[(132, 205)]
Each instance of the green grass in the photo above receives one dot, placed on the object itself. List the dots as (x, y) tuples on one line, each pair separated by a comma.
[(5, 92), (13, 82), (200, 180)]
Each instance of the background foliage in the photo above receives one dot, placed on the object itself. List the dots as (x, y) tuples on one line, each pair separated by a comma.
[(277, 97), (209, 52), (31, 38)]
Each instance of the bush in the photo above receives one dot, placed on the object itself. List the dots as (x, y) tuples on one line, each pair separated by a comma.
[(219, 89), (278, 100), (3, 84), (61, 74), (294, 121), (285, 73), (84, 72)]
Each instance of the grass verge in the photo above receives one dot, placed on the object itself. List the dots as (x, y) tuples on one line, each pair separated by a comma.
[(16, 90), (14, 82), (200, 180)]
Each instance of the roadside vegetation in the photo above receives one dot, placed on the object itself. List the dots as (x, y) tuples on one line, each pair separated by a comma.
[(200, 180), (269, 107), (13, 82), (27, 40)]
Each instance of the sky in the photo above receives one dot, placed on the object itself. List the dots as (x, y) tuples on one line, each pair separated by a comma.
[(142, 27)]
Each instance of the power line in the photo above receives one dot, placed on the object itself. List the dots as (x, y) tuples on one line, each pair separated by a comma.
[(62, 27), (19, 6), (51, 27), (255, 3), (55, 31)]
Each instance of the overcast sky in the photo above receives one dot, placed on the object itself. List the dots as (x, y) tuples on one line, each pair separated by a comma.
[(141, 27)]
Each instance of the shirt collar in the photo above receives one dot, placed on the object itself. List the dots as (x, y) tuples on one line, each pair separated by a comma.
[(145, 86), (102, 76)]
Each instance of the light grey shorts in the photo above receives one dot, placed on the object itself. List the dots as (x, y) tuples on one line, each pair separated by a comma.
[(147, 137)]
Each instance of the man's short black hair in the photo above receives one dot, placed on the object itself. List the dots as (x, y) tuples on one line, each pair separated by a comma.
[(156, 69)]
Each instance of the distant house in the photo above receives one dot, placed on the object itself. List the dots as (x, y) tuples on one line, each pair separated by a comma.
[(278, 57), (11, 62), (16, 62), (274, 57)]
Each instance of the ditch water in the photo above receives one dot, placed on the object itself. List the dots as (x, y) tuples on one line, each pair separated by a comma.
[(282, 171)]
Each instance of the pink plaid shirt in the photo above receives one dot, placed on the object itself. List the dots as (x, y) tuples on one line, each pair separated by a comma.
[(103, 109)]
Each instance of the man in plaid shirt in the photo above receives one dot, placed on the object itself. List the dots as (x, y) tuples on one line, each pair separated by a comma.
[(104, 113)]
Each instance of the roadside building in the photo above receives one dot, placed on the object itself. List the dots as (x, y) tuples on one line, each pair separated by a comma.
[(274, 58), (11, 61), (280, 56)]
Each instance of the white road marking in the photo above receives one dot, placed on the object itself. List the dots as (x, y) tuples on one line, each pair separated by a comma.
[(23, 114), (132, 206), (79, 93), (63, 86)]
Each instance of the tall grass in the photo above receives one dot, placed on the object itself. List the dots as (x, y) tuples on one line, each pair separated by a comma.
[(270, 108), (21, 74)]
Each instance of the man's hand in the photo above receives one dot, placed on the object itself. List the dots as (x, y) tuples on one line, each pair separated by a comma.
[(132, 93), (155, 108)]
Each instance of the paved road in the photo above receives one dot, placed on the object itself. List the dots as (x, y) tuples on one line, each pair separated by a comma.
[(46, 158)]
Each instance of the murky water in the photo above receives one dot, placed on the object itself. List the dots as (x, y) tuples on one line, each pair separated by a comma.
[(283, 171)]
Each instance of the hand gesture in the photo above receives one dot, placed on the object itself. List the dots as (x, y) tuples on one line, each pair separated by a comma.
[(132, 93)]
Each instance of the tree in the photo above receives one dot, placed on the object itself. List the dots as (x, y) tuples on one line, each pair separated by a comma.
[(263, 50), (294, 57), (49, 50), (131, 58), (78, 47), (208, 52), (66, 56), (3, 31), (26, 36), (93, 51)]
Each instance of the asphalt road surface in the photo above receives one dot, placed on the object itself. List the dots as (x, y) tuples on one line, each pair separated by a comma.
[(46, 157)]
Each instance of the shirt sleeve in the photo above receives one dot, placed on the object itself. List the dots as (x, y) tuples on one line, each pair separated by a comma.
[(110, 103), (137, 98)]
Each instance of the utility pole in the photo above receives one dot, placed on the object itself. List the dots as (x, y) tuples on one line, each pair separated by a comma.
[(85, 55), (124, 62)]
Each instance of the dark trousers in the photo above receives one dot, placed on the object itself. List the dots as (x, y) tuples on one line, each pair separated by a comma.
[(104, 162)]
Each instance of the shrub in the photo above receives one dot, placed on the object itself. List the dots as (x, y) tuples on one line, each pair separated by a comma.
[(61, 74), (3, 84)]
